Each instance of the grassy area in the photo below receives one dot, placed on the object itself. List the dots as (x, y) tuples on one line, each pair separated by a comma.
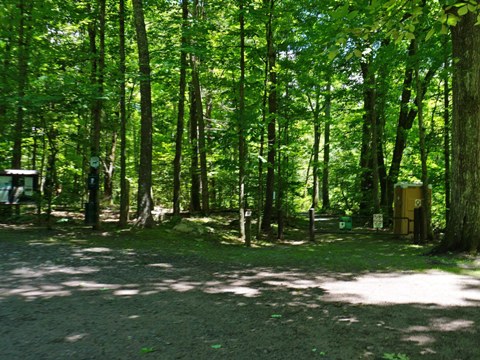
[(345, 253)]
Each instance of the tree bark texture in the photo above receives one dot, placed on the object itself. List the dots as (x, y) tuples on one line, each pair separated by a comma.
[(194, 169), (260, 195), (446, 133), (315, 108), (241, 127), (145, 201), (382, 86), (368, 159), (97, 74), (426, 233), (326, 147), (282, 173), (124, 186), (315, 162), (51, 174), (271, 128), (109, 159), (97, 82), (199, 14), (202, 147), (177, 162), (463, 232)]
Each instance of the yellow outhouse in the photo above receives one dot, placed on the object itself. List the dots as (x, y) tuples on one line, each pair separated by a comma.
[(408, 196)]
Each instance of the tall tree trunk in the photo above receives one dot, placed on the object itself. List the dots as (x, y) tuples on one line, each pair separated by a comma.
[(200, 119), (374, 154), (43, 159), (315, 161), (426, 205), (282, 160), (145, 201), (202, 150), (241, 127), (463, 231), (446, 132), (177, 162), (261, 160), (98, 74), (382, 86), (315, 108), (280, 185), (96, 79), (124, 186), (35, 149), (207, 115), (368, 158), (271, 129), (326, 146), (25, 8), (50, 187), (84, 149), (194, 169)]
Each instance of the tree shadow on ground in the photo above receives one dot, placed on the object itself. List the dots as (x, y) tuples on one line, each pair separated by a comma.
[(88, 300)]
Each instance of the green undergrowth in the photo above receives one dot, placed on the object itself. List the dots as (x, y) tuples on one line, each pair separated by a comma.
[(343, 253)]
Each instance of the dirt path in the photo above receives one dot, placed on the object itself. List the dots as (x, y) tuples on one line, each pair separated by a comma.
[(72, 302)]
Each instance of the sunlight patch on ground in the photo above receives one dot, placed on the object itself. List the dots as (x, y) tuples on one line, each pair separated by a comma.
[(444, 324), (96, 250), (422, 334), (181, 285), (293, 284), (435, 287), (27, 272), (237, 290), (420, 339), (75, 337), (161, 265), (32, 292), (348, 319), (184, 286), (126, 292), (91, 285)]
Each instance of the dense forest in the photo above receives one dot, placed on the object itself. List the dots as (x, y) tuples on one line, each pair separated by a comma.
[(271, 105)]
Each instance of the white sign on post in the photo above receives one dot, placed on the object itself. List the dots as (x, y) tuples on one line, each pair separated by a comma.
[(377, 221), (95, 162)]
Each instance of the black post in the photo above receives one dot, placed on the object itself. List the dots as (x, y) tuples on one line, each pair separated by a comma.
[(311, 214), (248, 228), (92, 207), (418, 225)]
